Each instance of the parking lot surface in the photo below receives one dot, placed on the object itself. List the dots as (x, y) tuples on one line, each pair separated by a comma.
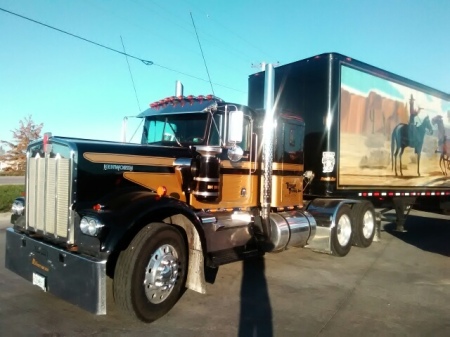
[(399, 286)]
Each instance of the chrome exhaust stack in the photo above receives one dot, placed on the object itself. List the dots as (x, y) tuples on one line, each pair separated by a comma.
[(269, 88)]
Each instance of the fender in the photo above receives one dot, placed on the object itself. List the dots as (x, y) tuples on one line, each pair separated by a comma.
[(125, 219), (127, 212)]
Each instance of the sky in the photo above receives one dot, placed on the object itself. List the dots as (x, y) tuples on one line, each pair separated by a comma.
[(80, 89)]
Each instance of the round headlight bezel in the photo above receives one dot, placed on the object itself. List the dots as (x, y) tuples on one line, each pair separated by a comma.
[(90, 226), (18, 207)]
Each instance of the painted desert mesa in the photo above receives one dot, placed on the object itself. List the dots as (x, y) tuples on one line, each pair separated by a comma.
[(391, 134)]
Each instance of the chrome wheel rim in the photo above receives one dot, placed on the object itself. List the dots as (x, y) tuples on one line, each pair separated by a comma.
[(161, 274), (368, 224), (344, 230)]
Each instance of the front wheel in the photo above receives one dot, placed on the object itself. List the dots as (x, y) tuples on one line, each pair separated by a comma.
[(151, 273), (341, 234)]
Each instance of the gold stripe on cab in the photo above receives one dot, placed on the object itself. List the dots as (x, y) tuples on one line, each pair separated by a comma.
[(247, 166), (154, 180), (129, 159)]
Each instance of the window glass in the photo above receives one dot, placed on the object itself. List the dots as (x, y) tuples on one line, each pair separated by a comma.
[(216, 130), (186, 129)]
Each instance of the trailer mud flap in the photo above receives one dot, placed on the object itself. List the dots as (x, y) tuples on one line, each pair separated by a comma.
[(77, 279)]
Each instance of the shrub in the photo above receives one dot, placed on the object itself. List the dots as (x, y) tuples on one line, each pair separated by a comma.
[(7, 195)]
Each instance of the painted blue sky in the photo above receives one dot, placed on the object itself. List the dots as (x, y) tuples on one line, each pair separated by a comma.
[(364, 83), (79, 89)]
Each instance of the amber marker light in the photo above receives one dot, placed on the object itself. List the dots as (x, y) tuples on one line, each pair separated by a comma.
[(161, 191), (97, 207)]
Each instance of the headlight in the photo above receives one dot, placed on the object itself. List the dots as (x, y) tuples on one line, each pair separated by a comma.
[(17, 207), (90, 226)]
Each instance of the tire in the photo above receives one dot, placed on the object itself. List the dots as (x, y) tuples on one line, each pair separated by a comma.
[(150, 274), (364, 224), (341, 234)]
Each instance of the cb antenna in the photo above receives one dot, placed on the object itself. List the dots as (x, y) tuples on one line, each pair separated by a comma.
[(204, 60)]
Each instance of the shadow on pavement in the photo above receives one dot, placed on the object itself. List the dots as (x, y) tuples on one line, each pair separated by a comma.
[(256, 313), (432, 235)]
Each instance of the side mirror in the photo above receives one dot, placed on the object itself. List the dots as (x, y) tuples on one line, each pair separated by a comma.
[(236, 126)]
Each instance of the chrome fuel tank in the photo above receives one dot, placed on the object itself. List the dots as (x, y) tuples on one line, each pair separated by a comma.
[(294, 229)]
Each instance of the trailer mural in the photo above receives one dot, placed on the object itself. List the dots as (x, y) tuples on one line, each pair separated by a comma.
[(391, 134)]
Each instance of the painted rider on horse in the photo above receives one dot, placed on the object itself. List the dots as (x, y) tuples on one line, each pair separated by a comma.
[(414, 122)]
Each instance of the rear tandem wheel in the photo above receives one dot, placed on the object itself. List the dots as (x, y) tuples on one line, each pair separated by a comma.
[(341, 234), (364, 224)]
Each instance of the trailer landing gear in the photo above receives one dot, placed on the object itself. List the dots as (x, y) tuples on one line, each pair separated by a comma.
[(402, 208)]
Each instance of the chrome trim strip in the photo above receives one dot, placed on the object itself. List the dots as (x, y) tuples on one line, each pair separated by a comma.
[(214, 180), (206, 194)]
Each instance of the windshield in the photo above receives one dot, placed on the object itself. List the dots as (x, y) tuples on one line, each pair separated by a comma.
[(176, 129)]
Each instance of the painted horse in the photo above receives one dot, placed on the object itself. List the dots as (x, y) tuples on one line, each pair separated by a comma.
[(401, 139)]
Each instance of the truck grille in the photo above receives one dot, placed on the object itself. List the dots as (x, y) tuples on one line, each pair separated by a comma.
[(48, 196)]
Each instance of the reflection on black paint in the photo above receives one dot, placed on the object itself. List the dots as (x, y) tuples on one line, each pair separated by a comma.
[(256, 312)]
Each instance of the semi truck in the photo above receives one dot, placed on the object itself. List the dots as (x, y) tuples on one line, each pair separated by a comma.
[(212, 182), (370, 134)]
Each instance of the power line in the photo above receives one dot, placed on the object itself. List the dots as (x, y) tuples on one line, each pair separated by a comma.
[(228, 28), (203, 55), (131, 75), (212, 39), (146, 62)]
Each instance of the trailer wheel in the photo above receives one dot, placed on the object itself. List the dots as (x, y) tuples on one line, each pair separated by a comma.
[(151, 273), (364, 224), (341, 234)]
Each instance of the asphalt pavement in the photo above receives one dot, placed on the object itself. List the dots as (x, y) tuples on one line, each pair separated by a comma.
[(4, 220), (399, 286)]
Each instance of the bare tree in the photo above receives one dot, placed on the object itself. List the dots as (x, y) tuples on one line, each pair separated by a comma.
[(15, 157)]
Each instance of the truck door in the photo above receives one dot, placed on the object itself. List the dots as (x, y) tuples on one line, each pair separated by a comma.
[(238, 179), (288, 162)]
